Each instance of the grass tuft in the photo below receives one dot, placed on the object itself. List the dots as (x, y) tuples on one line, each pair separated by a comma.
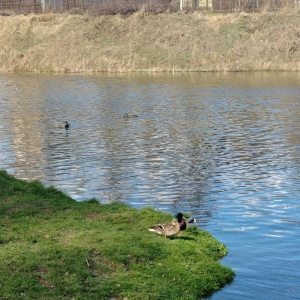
[(52, 247)]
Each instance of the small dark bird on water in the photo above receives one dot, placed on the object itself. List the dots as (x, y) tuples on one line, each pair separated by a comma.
[(67, 125)]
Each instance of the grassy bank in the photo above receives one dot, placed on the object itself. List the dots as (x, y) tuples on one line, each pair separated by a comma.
[(52, 247), (143, 42)]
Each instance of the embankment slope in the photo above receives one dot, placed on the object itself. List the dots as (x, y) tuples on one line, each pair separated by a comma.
[(152, 43)]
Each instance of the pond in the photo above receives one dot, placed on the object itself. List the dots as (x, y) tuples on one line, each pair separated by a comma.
[(224, 147)]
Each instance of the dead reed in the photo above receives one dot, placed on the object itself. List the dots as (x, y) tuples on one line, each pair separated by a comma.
[(167, 42)]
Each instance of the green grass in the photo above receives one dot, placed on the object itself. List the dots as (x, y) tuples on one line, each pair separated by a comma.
[(52, 247)]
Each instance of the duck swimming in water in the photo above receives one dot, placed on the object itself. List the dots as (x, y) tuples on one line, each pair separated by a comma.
[(67, 125), (127, 115)]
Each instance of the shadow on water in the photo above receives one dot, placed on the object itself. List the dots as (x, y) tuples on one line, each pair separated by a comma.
[(221, 146)]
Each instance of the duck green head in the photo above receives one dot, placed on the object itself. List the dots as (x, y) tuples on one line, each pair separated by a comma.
[(179, 216)]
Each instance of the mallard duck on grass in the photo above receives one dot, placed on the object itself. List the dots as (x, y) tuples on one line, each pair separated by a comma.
[(166, 229), (173, 227), (184, 222)]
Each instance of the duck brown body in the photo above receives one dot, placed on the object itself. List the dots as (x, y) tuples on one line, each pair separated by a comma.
[(173, 227), (166, 229)]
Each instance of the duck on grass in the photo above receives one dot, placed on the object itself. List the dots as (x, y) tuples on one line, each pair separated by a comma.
[(54, 247), (174, 227)]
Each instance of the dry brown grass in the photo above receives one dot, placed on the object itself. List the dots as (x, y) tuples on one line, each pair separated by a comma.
[(155, 43)]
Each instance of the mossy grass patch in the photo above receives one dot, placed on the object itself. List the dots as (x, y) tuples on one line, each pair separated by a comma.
[(52, 247)]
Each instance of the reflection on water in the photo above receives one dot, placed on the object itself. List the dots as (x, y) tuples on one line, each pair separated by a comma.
[(224, 147)]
